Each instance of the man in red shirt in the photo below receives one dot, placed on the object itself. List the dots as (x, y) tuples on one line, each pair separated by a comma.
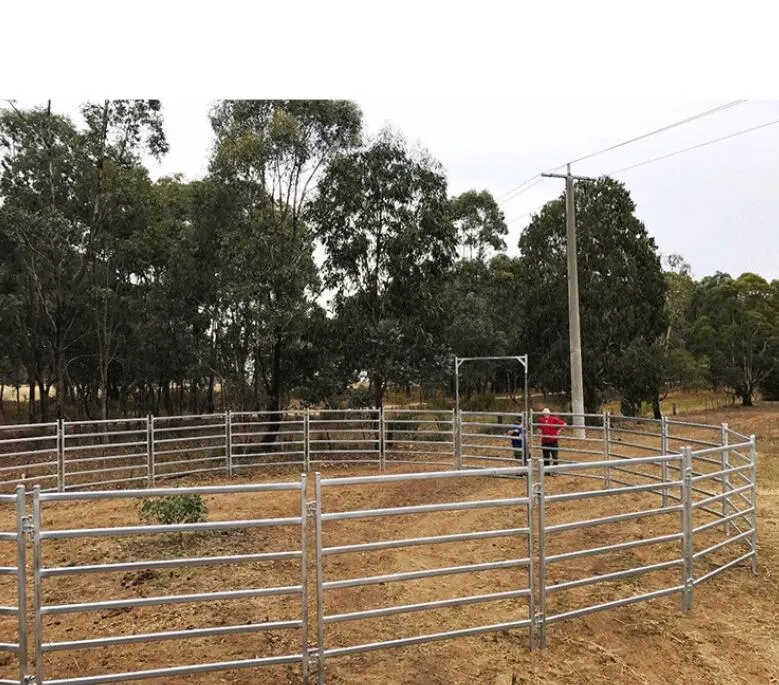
[(549, 426)]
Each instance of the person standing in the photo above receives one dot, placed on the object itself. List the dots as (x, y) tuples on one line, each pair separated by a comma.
[(517, 433), (549, 426)]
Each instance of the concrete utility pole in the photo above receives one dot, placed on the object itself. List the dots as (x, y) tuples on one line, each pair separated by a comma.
[(574, 327)]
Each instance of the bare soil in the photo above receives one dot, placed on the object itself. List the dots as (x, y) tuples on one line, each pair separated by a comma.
[(732, 635)]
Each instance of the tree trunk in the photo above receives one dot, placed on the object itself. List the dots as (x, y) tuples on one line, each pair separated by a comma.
[(103, 390), (44, 391), (59, 368), (656, 407), (31, 401), (274, 390)]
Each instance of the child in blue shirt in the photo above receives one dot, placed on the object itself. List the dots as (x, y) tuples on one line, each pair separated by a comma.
[(517, 433)]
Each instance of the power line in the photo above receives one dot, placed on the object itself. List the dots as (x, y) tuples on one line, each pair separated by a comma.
[(536, 180), (662, 129), (521, 187), (517, 187), (695, 147), (530, 213)]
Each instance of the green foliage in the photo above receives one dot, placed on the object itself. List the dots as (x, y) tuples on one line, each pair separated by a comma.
[(480, 223), (737, 331), (384, 219), (621, 284), (174, 509), (120, 295)]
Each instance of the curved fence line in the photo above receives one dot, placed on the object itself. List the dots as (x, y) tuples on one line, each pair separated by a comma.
[(690, 485)]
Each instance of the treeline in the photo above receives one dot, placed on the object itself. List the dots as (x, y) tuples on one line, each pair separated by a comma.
[(309, 258)]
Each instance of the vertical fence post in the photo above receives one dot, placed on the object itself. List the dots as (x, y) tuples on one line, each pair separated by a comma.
[(724, 466), (530, 490), (229, 442), (525, 447), (21, 583), (454, 437), (306, 437), (60, 455), (36, 554), (458, 441), (687, 528), (540, 506), (152, 466), (753, 474), (320, 594), (606, 448), (381, 440), (529, 436), (304, 576), (149, 453), (664, 452)]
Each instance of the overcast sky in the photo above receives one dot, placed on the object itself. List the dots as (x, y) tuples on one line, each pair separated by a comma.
[(716, 206)]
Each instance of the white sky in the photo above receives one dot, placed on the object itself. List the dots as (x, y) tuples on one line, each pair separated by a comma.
[(716, 206), (480, 87)]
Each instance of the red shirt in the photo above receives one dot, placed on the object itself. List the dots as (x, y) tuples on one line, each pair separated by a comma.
[(549, 426)]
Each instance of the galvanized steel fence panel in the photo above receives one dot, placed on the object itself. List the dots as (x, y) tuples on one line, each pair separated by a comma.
[(344, 436), (485, 441), (44, 533), (418, 437), (100, 453), (187, 445), (326, 583), (704, 474), (268, 439), (29, 454)]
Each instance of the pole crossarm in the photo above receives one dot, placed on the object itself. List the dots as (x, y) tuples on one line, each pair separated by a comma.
[(575, 178), (522, 359)]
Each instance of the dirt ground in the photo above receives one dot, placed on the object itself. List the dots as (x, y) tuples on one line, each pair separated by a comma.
[(732, 635)]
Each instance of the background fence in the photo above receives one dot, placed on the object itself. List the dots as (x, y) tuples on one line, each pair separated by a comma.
[(678, 507)]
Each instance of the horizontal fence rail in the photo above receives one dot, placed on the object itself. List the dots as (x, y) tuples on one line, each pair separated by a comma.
[(44, 573), (522, 504), (692, 486)]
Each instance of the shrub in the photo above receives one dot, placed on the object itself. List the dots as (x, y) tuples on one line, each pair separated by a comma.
[(175, 509)]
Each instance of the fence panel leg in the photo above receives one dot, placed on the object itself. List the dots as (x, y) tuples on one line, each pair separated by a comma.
[(320, 593), (531, 494), (304, 577), (152, 467), (306, 440), (664, 452), (37, 590), (229, 443), (687, 528), (753, 455), (606, 449), (21, 582), (540, 508), (60, 455), (381, 440), (724, 465), (458, 442)]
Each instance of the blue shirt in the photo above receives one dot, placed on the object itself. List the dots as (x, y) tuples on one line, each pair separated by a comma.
[(517, 433)]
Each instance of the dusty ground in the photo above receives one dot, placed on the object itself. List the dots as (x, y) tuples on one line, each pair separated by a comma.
[(730, 637)]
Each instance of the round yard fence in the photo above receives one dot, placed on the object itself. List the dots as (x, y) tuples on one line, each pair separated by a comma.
[(334, 533)]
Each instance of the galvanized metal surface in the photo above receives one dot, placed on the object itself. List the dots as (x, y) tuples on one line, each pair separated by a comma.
[(699, 478)]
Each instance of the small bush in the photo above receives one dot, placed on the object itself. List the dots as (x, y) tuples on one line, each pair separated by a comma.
[(175, 509)]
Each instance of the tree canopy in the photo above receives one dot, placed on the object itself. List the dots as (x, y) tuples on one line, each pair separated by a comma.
[(310, 265)]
